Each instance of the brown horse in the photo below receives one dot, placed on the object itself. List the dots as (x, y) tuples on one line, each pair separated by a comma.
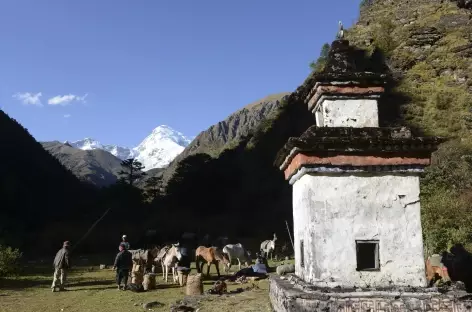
[(210, 255)]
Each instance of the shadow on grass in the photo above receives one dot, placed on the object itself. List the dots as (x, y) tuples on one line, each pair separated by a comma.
[(92, 283), (92, 288), (37, 271), (166, 286), (210, 280), (21, 283), (28, 281)]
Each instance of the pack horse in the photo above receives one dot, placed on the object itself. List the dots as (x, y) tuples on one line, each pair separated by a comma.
[(210, 255), (237, 251), (268, 247), (168, 256)]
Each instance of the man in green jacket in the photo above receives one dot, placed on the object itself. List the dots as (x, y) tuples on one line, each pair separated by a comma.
[(61, 266)]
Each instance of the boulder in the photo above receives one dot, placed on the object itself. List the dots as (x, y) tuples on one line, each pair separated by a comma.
[(285, 268), (152, 304)]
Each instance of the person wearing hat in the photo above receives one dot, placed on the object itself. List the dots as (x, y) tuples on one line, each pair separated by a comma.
[(123, 264), (61, 266), (124, 240)]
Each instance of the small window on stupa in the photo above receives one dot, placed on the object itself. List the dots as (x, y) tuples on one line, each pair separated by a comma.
[(367, 254)]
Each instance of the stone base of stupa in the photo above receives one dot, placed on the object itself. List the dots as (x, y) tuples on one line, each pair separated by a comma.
[(289, 294)]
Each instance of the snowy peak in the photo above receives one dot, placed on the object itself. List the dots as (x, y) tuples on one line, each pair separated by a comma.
[(91, 144), (167, 133), (157, 150), (86, 144)]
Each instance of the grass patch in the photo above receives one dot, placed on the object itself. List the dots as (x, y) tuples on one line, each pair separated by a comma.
[(91, 289)]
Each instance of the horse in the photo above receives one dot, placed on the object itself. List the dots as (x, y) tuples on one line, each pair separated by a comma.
[(159, 258), (144, 256), (172, 255), (162, 252), (210, 255), (268, 246), (237, 251)]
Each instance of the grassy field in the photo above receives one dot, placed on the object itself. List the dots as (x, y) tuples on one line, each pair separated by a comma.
[(91, 289)]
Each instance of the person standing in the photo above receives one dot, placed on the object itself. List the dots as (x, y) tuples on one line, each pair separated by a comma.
[(124, 240), (183, 267), (123, 264), (61, 266)]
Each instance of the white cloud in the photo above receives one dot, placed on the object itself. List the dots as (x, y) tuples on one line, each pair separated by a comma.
[(66, 99), (67, 115), (29, 98)]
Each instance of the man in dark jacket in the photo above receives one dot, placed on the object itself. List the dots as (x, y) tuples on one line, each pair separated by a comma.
[(183, 266), (123, 264), (61, 266)]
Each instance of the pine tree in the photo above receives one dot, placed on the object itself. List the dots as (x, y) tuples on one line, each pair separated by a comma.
[(132, 171), (153, 188), (321, 61)]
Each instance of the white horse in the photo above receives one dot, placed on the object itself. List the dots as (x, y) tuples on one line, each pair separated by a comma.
[(237, 251), (268, 247), (172, 255)]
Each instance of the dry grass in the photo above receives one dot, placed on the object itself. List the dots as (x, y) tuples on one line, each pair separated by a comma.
[(95, 290)]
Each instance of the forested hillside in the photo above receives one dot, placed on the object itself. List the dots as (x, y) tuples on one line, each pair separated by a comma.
[(36, 191)]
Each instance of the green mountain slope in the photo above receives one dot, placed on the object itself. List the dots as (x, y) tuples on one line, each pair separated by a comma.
[(429, 47)]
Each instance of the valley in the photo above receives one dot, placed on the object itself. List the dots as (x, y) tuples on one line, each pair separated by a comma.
[(226, 182)]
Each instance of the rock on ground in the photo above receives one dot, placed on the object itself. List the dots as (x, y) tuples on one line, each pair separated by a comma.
[(152, 304)]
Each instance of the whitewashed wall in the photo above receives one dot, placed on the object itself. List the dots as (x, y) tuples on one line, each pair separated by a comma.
[(349, 113), (332, 212)]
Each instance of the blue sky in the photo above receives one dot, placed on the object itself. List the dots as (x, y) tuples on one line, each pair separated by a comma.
[(114, 70)]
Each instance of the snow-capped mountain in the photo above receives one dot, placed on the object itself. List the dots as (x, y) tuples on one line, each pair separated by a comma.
[(157, 150), (91, 144)]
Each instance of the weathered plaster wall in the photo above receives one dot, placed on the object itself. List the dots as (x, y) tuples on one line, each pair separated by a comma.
[(350, 113), (288, 296), (332, 211)]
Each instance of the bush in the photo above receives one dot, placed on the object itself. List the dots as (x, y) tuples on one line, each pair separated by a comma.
[(383, 38), (9, 260), (447, 220), (446, 196), (366, 3)]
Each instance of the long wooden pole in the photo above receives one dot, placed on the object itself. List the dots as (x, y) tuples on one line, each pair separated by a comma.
[(90, 229), (290, 235)]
